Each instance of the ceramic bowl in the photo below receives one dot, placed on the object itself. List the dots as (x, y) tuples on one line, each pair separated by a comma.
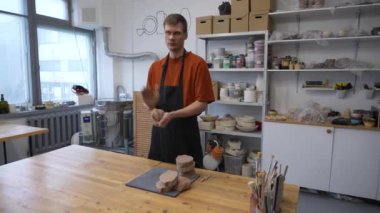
[(246, 124), (209, 117), (356, 121), (225, 128), (245, 129), (369, 122), (226, 122), (246, 118), (206, 125)]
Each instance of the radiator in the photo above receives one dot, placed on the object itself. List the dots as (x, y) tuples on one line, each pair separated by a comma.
[(61, 125)]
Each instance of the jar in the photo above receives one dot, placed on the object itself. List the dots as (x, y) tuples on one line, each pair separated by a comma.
[(233, 61), (249, 62), (275, 63), (226, 62), (239, 62), (250, 95), (285, 62), (223, 93), (217, 63)]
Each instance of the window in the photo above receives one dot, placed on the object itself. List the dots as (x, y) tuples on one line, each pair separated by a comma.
[(67, 59), (14, 58), (65, 54), (14, 6), (53, 8)]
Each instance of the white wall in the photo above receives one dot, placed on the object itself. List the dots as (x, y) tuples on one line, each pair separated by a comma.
[(126, 36)]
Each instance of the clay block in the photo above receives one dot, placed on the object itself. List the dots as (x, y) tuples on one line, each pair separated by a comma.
[(183, 184), (184, 161), (187, 174), (186, 169), (169, 178), (161, 187)]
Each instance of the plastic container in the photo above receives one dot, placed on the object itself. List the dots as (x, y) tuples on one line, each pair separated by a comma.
[(259, 57), (226, 62), (217, 62), (249, 62), (233, 164)]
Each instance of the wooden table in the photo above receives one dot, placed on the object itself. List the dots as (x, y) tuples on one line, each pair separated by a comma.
[(83, 179), (15, 131)]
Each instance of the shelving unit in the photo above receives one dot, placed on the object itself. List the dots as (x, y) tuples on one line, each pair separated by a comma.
[(237, 70), (243, 74), (356, 21), (230, 36), (238, 103), (348, 38), (235, 133), (327, 11), (356, 12), (319, 88), (328, 70)]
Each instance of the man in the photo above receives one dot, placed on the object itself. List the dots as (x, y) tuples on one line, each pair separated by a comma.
[(181, 84)]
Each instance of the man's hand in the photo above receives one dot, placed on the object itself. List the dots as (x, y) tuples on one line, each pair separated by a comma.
[(156, 114), (166, 118), (151, 96)]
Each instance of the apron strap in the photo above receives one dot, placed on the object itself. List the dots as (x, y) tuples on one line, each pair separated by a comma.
[(165, 68)]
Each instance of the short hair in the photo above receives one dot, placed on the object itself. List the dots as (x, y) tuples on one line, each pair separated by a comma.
[(174, 19)]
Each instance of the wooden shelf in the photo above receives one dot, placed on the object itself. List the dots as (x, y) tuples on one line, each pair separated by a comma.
[(238, 103), (328, 70), (236, 70), (327, 124), (349, 38), (225, 36), (256, 134), (320, 12), (319, 88)]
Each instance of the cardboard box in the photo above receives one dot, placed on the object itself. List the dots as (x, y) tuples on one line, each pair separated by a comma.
[(259, 22), (262, 5), (204, 25), (221, 24), (240, 23), (239, 7)]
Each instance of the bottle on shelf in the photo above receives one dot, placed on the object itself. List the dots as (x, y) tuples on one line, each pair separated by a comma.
[(4, 106)]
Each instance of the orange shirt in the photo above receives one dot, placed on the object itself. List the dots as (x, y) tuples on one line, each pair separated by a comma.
[(196, 78)]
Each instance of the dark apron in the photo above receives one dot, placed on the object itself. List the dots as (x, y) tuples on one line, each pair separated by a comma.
[(181, 135)]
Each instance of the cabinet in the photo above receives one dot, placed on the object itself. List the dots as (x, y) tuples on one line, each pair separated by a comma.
[(356, 163), (333, 159), (234, 43), (305, 149)]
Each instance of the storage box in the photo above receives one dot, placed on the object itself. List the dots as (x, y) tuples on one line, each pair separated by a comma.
[(204, 25), (239, 23), (262, 5), (259, 22), (239, 7), (221, 24)]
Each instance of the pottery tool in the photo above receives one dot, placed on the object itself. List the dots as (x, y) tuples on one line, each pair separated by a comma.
[(286, 170), (278, 193)]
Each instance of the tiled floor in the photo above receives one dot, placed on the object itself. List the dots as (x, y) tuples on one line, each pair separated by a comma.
[(313, 202)]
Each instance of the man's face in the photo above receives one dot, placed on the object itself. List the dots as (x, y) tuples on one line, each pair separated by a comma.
[(175, 37)]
